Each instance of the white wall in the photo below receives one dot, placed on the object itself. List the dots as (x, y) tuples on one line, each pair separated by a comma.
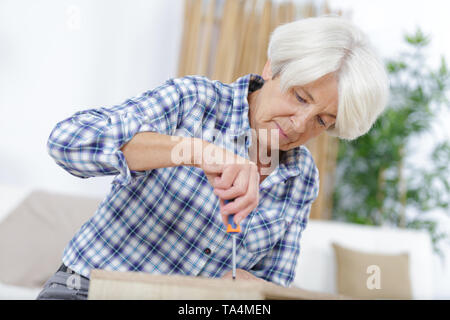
[(58, 57)]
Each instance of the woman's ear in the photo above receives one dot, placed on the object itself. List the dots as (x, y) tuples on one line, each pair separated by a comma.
[(267, 71)]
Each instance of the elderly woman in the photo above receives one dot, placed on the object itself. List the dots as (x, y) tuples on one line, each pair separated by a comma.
[(181, 150)]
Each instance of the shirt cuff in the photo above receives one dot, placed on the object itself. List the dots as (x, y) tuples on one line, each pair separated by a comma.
[(126, 176)]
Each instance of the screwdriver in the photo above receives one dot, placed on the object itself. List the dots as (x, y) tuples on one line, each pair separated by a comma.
[(233, 228)]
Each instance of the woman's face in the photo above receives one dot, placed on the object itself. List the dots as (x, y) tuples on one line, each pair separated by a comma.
[(299, 115)]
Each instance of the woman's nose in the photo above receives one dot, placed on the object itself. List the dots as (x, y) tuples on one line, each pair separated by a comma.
[(300, 122)]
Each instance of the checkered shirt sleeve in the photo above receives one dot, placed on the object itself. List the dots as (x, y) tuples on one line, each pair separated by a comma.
[(88, 143)]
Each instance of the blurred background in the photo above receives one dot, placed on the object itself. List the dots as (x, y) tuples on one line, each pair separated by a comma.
[(384, 198)]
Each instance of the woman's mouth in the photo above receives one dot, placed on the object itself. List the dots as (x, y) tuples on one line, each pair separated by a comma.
[(281, 131)]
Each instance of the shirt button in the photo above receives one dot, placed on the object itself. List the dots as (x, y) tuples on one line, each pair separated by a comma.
[(207, 251)]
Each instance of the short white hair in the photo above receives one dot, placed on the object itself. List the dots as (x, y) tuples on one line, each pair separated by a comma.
[(305, 50)]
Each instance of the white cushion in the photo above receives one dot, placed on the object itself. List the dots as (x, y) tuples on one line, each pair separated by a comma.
[(11, 197)]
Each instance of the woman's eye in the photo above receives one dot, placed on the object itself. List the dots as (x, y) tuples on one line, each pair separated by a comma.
[(300, 98), (321, 122)]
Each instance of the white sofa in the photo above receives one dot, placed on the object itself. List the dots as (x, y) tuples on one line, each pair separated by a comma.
[(316, 266), (11, 196)]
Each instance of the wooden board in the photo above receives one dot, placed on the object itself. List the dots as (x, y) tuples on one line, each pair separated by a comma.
[(114, 285)]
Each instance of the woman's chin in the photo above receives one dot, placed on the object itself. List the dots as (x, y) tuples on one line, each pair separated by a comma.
[(289, 146)]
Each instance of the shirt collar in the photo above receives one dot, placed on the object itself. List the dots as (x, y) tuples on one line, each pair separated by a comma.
[(241, 88)]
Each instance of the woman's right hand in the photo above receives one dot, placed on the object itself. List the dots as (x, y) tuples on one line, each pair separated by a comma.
[(232, 177)]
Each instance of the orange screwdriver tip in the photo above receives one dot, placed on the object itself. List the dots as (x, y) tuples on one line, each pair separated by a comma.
[(235, 229)]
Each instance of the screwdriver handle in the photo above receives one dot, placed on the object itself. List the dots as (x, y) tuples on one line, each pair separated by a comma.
[(232, 226)]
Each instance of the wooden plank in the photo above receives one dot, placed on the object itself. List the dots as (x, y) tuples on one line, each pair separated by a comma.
[(184, 51), (243, 31), (332, 151), (205, 48), (105, 285), (233, 37), (321, 160), (227, 33), (194, 37), (308, 10), (248, 50), (285, 13), (263, 35)]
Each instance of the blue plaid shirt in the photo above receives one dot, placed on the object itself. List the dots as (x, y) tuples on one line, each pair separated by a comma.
[(167, 220)]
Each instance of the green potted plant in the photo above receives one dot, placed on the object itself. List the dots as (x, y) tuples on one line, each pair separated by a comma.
[(377, 180)]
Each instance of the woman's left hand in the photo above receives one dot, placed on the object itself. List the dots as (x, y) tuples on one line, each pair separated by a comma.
[(242, 275)]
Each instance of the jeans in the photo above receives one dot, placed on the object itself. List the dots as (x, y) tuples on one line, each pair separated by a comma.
[(65, 284)]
